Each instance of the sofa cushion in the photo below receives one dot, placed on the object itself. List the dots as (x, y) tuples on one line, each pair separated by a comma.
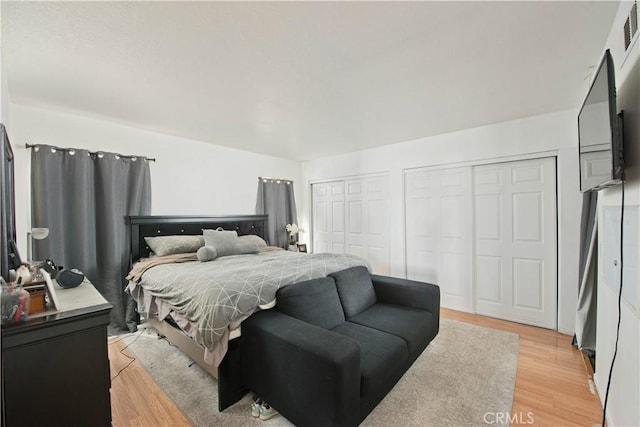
[(313, 301), (355, 289), (380, 354), (413, 325)]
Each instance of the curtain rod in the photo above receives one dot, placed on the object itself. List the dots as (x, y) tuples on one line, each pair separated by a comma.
[(95, 153), (260, 178)]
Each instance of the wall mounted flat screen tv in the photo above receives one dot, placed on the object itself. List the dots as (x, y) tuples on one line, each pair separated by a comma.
[(9, 258), (600, 132)]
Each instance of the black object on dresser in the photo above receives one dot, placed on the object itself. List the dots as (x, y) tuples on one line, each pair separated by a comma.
[(55, 368)]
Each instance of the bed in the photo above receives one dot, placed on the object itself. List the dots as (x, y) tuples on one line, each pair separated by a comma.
[(205, 324)]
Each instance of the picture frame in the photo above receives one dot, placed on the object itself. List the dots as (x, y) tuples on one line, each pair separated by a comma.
[(302, 247), (53, 298)]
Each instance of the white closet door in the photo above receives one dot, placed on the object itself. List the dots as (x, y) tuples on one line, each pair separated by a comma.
[(328, 217), (439, 232), (515, 241), (367, 221)]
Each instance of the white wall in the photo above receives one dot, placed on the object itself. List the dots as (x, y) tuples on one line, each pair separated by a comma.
[(4, 97), (188, 177), (554, 133), (623, 408), (4, 85)]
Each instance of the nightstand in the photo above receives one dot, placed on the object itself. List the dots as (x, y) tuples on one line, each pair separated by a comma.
[(55, 368)]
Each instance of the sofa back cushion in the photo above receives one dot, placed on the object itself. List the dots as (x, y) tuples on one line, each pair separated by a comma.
[(313, 301), (355, 290)]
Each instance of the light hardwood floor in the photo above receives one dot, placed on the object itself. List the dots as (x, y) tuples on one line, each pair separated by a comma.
[(552, 382)]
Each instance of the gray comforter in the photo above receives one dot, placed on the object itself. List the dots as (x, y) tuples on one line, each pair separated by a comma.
[(212, 295)]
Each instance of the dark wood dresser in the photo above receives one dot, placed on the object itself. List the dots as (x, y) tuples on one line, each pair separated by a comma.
[(55, 368)]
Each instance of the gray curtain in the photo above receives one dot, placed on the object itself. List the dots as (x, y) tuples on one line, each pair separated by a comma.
[(276, 199), (586, 312), (83, 199)]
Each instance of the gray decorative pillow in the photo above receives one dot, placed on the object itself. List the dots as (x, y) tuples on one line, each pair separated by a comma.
[(169, 245), (252, 238), (227, 243), (207, 253)]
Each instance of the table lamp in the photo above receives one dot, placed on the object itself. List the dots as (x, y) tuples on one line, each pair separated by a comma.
[(38, 234)]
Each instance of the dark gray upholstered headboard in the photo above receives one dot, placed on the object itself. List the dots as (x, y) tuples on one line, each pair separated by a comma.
[(145, 226)]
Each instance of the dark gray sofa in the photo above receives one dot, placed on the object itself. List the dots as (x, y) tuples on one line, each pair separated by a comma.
[(333, 347)]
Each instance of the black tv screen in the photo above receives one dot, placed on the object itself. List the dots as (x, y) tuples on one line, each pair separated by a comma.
[(600, 132)]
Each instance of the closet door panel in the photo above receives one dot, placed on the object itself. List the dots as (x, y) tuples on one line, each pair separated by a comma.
[(421, 260), (352, 216), (321, 225), (451, 275), (438, 232), (525, 272), (368, 216), (328, 217), (488, 284), (515, 244)]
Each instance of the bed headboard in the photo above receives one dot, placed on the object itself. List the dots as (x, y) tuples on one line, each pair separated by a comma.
[(145, 226)]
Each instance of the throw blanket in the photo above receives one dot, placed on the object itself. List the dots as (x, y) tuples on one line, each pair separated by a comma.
[(213, 295), (141, 266)]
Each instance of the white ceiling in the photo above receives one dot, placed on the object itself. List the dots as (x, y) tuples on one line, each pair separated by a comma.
[(303, 79)]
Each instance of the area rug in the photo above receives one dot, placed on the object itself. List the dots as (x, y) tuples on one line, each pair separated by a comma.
[(463, 378)]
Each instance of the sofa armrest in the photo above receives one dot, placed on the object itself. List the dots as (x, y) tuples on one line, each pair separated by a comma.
[(392, 290), (309, 374)]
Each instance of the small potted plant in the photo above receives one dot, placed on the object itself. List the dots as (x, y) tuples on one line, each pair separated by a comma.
[(292, 231)]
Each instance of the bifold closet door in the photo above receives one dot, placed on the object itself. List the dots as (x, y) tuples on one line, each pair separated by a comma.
[(438, 233), (328, 217), (352, 216), (515, 261), (367, 221)]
